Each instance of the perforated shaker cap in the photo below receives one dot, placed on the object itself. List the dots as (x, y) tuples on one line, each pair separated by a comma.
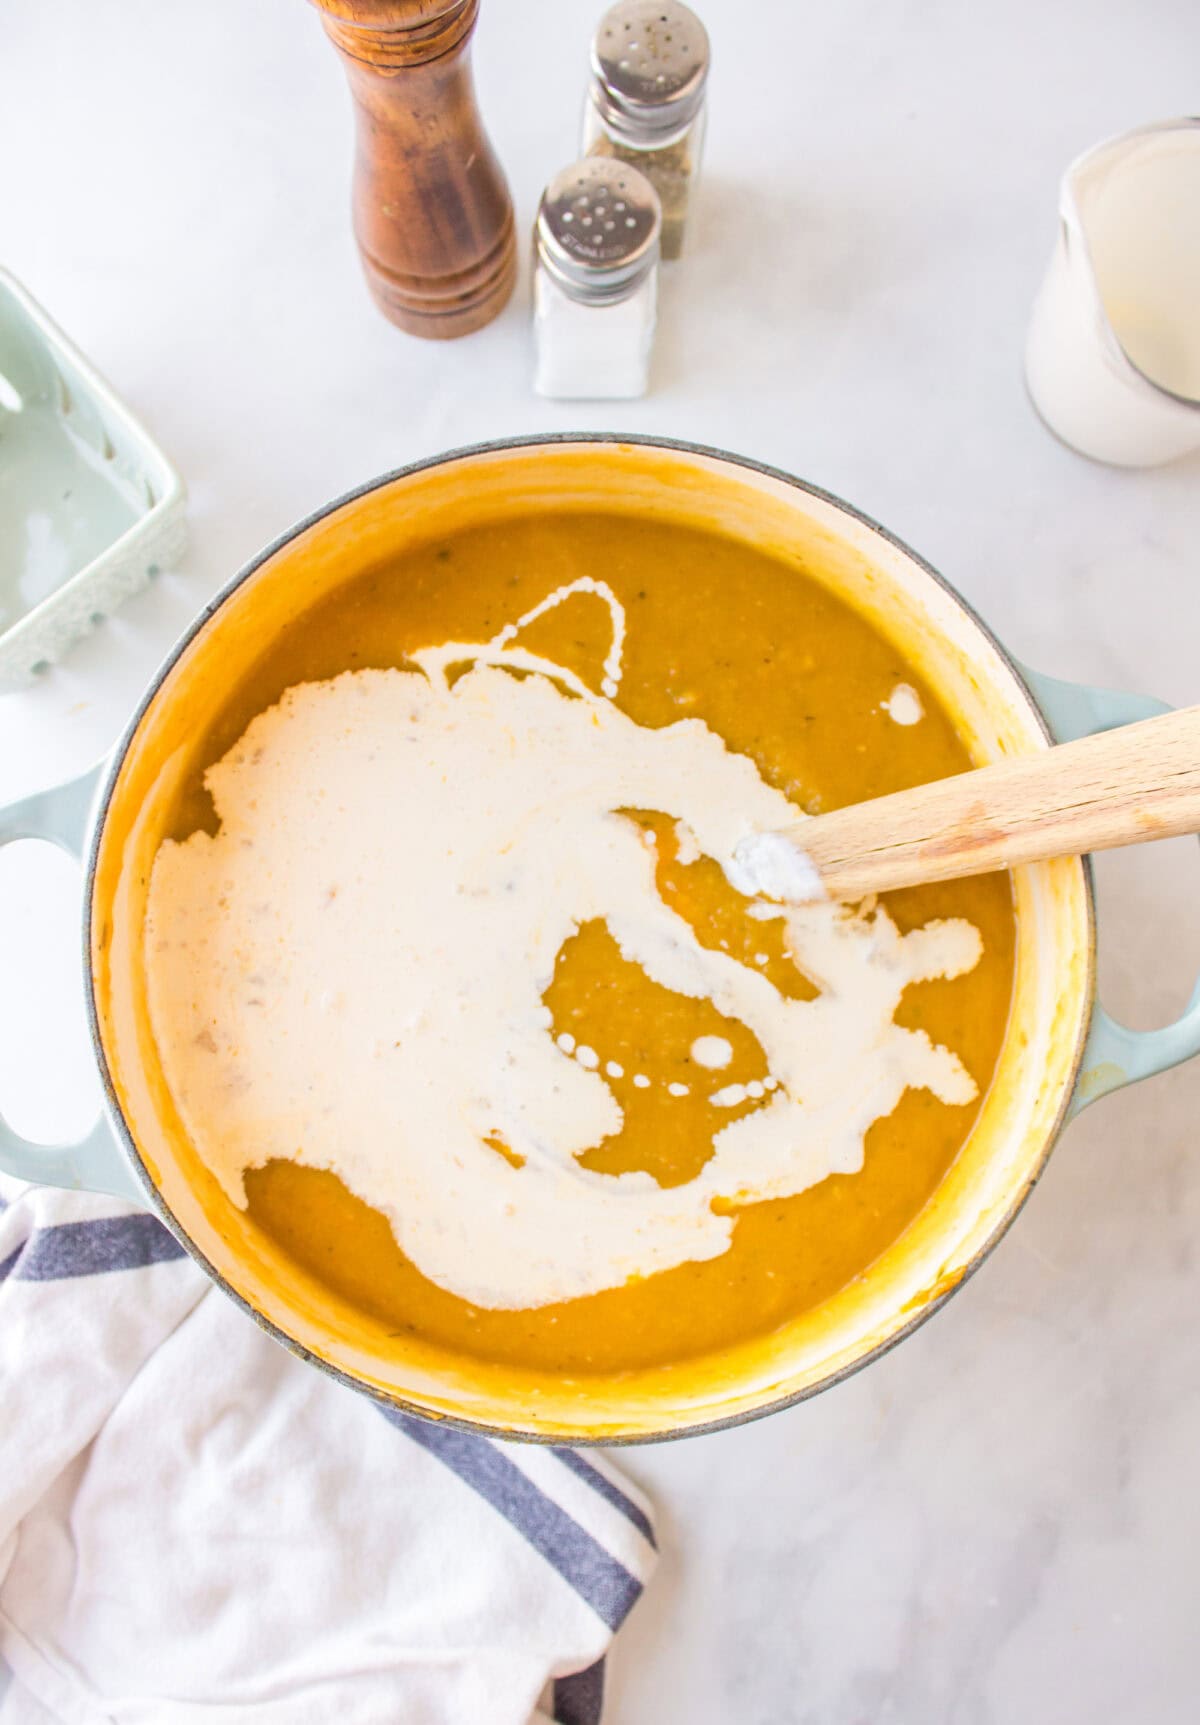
[(649, 66), (598, 229)]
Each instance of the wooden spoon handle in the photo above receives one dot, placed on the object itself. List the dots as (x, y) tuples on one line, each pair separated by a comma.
[(1118, 788)]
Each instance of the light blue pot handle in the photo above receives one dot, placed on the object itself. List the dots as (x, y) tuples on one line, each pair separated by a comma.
[(95, 1163), (1113, 1056)]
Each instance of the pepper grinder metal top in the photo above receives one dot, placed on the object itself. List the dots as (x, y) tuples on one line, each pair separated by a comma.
[(649, 68)]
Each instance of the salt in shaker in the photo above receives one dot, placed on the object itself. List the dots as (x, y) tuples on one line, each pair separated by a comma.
[(645, 101), (595, 281)]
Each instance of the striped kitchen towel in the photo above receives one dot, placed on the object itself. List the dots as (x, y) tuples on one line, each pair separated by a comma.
[(196, 1527)]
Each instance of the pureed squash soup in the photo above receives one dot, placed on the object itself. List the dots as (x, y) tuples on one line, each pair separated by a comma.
[(456, 993)]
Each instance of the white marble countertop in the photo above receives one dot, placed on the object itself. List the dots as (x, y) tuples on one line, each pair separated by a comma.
[(998, 1522)]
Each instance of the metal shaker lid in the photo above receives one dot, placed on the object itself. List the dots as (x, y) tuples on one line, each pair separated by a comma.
[(598, 228), (649, 66)]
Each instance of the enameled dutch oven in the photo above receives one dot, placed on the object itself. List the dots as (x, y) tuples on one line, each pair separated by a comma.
[(1061, 1050)]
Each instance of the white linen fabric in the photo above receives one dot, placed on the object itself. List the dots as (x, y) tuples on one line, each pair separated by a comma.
[(197, 1527)]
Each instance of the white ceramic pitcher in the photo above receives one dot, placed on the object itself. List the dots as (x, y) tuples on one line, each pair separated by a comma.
[(1113, 360)]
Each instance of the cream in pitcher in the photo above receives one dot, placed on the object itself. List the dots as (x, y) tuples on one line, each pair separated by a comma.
[(1113, 360)]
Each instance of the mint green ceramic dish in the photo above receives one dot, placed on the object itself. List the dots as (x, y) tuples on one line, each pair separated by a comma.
[(90, 507)]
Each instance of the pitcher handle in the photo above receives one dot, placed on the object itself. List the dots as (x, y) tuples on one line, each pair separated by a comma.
[(1113, 1055), (95, 1162)]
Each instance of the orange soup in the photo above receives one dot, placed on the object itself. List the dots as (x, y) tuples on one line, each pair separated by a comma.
[(824, 712)]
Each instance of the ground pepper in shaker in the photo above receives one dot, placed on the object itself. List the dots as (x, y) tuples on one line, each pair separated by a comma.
[(595, 282), (645, 101)]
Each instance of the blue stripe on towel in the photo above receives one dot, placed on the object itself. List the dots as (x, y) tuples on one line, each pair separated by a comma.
[(599, 1482), (92, 1249), (597, 1577), (10, 1262), (579, 1698)]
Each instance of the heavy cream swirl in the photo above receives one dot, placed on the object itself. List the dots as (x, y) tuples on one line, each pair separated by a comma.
[(351, 972)]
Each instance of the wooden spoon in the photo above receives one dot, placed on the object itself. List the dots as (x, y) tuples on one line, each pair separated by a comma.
[(1120, 787)]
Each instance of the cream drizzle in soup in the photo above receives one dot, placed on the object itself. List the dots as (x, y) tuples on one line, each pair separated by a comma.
[(350, 972)]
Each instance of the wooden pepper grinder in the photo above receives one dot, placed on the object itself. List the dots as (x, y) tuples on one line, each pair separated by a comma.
[(432, 214)]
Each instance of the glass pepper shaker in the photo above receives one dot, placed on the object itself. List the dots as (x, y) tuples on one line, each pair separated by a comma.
[(595, 281), (645, 101)]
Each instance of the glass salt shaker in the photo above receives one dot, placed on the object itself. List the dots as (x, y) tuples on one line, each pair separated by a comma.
[(645, 101), (595, 282)]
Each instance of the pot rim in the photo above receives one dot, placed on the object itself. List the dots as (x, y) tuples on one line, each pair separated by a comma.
[(116, 759)]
